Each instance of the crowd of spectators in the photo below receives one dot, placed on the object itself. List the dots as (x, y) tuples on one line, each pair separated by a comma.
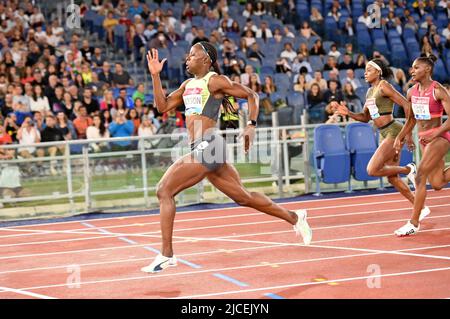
[(53, 88)]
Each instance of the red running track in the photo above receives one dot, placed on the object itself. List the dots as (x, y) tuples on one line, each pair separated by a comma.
[(237, 253)]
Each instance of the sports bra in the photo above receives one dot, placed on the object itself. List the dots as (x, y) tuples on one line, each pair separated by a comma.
[(198, 100), (425, 106)]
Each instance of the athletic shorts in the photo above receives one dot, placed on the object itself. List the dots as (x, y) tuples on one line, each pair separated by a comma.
[(392, 129), (210, 151), (445, 135)]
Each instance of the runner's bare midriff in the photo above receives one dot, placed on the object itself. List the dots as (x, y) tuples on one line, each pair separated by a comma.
[(197, 125), (383, 120), (425, 125)]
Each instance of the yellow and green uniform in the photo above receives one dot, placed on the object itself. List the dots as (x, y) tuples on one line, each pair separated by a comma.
[(230, 116), (198, 99)]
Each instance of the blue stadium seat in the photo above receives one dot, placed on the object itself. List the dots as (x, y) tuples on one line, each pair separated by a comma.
[(442, 20), (364, 42), (440, 74), (152, 5), (254, 63), (76, 148), (327, 45), (381, 45), (120, 39), (399, 12), (331, 28), (408, 33), (98, 26), (331, 158), (267, 70), (393, 34), (361, 143), (377, 34), (166, 5), (296, 100), (116, 92), (361, 93), (148, 98), (285, 115), (302, 11), (357, 10), (360, 27), (359, 74), (316, 114), (89, 17), (277, 96), (406, 157), (316, 62), (282, 81), (198, 21)]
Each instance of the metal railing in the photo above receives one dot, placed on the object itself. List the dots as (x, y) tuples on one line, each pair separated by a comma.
[(109, 177), (77, 178)]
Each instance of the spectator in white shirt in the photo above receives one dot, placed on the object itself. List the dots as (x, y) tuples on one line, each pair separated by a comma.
[(56, 28), (39, 102), (334, 52), (427, 23), (288, 33), (77, 56), (249, 25), (28, 134), (37, 18), (288, 52), (245, 77), (97, 131), (249, 38), (398, 25), (264, 32), (300, 62), (52, 39), (443, 4), (248, 11), (190, 35), (146, 129), (259, 10), (446, 31), (24, 19), (321, 82), (365, 19), (411, 24), (21, 102), (356, 83)]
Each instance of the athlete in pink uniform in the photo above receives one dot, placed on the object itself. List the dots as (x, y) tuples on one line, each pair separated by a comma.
[(428, 101)]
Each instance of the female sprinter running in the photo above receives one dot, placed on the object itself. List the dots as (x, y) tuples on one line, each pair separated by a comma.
[(428, 101), (380, 99), (202, 96)]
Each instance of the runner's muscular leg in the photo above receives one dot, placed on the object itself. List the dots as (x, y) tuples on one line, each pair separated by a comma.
[(184, 173), (227, 180), (431, 159)]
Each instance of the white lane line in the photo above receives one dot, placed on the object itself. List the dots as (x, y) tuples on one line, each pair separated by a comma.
[(238, 207), (184, 241), (157, 233), (25, 293), (35, 232), (224, 293), (195, 272), (327, 227), (208, 252)]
